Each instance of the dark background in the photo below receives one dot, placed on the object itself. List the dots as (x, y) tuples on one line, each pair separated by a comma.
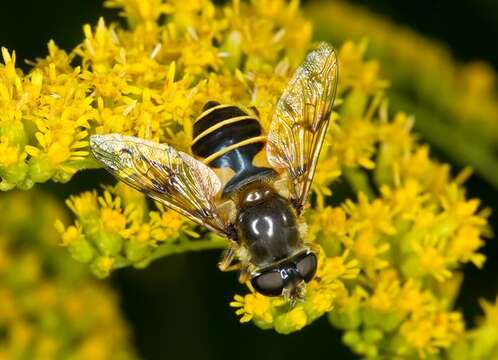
[(178, 307)]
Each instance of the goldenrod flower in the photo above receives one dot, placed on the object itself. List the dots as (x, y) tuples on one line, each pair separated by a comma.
[(118, 229), (390, 247), (421, 67), (254, 306)]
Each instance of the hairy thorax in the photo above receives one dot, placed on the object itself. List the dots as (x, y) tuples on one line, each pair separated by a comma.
[(266, 224)]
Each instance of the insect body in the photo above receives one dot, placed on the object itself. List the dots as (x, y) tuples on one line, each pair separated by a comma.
[(249, 187), (230, 141), (228, 138)]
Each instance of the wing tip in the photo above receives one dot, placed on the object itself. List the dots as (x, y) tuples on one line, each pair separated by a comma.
[(100, 141), (102, 146), (324, 46), (95, 141)]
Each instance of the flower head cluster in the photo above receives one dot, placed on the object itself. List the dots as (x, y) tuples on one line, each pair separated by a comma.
[(401, 240), (453, 100), (482, 342), (51, 307), (392, 226), (43, 122), (419, 62), (150, 80), (117, 229)]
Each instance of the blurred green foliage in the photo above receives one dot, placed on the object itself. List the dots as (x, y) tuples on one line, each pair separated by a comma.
[(51, 307)]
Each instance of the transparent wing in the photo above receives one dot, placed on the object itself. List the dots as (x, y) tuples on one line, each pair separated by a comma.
[(171, 177), (301, 118)]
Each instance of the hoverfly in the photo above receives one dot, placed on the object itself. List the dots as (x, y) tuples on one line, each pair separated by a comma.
[(239, 183)]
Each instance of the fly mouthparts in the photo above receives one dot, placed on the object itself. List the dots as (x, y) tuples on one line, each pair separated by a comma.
[(295, 293)]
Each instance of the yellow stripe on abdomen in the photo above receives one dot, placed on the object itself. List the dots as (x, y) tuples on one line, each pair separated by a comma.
[(225, 136), (227, 149)]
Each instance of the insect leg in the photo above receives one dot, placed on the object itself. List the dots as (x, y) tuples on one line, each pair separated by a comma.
[(227, 262), (227, 259), (244, 275)]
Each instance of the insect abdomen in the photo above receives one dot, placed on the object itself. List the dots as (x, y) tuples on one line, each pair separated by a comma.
[(225, 136)]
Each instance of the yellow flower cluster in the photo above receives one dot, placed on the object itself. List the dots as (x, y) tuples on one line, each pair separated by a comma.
[(470, 89), (320, 298), (453, 101), (51, 306), (43, 122), (149, 80), (389, 317), (117, 229), (480, 343), (393, 252), (393, 227)]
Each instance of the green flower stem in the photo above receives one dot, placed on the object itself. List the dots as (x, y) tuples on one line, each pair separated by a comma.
[(213, 242), (358, 180)]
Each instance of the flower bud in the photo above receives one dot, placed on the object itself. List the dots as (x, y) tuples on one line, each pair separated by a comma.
[(347, 318), (137, 250), (109, 243), (291, 321), (15, 175), (41, 169), (233, 49), (14, 133), (102, 266)]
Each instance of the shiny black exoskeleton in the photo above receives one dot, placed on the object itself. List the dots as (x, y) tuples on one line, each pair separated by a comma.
[(221, 126), (267, 225), (227, 137)]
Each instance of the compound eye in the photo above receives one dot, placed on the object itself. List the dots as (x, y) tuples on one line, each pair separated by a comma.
[(306, 266), (269, 283)]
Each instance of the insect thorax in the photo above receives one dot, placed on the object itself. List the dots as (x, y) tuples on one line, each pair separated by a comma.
[(267, 224), (231, 142)]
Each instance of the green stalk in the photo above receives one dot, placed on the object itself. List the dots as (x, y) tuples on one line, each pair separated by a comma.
[(192, 245)]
